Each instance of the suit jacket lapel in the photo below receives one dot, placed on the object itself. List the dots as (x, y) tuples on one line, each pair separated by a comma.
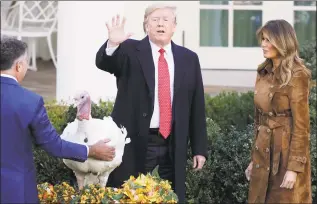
[(145, 57), (179, 68)]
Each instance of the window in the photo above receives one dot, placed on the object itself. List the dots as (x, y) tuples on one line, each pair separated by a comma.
[(305, 21), (229, 23), (213, 28), (305, 3)]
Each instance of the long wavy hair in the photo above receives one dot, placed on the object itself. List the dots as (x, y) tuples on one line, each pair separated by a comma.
[(283, 37)]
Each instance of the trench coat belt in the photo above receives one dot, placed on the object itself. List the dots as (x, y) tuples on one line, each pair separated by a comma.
[(263, 121), (286, 113), (264, 116)]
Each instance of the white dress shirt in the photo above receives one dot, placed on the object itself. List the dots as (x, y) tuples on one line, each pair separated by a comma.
[(12, 77), (9, 76), (155, 120)]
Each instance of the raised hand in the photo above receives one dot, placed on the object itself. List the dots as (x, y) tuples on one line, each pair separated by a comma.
[(116, 34)]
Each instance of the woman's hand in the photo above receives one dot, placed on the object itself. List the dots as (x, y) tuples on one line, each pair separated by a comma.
[(289, 179), (248, 171)]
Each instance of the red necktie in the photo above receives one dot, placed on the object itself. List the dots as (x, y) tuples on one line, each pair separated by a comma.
[(164, 95)]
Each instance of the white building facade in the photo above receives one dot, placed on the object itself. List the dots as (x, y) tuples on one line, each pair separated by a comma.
[(221, 32)]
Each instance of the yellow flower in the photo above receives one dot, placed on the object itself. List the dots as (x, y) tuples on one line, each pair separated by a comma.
[(143, 189), (165, 185), (132, 178), (83, 197)]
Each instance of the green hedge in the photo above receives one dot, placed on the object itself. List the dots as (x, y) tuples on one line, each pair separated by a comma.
[(222, 180), (231, 109), (308, 53)]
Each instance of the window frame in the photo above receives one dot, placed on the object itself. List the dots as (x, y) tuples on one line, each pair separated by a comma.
[(230, 7), (301, 8)]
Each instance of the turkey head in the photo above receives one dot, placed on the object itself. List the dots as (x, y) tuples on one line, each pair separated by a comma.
[(83, 104)]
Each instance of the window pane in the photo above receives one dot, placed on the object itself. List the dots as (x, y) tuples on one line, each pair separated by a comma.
[(246, 24), (305, 3), (213, 27), (211, 2), (247, 2), (305, 26)]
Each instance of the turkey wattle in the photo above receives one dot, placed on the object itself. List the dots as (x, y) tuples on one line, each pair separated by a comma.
[(87, 130)]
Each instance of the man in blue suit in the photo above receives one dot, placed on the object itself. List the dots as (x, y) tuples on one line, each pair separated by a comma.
[(23, 120)]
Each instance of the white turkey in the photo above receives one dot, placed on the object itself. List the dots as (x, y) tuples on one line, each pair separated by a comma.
[(87, 130)]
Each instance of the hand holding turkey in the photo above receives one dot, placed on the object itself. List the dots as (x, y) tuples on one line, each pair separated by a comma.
[(102, 151)]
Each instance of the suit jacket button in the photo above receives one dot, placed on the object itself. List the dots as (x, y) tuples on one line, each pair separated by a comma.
[(144, 114)]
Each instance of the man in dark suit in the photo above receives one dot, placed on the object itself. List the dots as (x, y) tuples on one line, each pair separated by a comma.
[(24, 118), (160, 98)]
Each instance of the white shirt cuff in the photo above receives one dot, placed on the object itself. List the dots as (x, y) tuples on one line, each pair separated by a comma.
[(110, 50)]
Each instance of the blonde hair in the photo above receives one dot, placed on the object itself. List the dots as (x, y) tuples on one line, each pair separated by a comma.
[(283, 37), (150, 9)]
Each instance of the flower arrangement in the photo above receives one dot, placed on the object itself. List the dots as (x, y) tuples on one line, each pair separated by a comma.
[(149, 188), (46, 193)]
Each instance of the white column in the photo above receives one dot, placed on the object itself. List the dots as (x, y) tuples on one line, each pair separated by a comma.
[(278, 10), (81, 31)]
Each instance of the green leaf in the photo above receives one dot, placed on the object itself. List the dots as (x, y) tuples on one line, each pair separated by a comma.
[(117, 196), (155, 172), (162, 191), (105, 200)]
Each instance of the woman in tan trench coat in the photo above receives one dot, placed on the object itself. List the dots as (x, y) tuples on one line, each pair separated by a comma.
[(280, 170)]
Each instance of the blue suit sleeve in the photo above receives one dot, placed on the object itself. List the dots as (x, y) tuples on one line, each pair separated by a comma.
[(48, 139)]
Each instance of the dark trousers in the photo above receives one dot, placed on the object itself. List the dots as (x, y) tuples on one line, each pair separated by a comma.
[(158, 153)]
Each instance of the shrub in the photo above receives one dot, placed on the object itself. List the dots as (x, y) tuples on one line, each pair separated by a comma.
[(222, 180), (56, 114), (230, 109), (51, 169), (308, 53)]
